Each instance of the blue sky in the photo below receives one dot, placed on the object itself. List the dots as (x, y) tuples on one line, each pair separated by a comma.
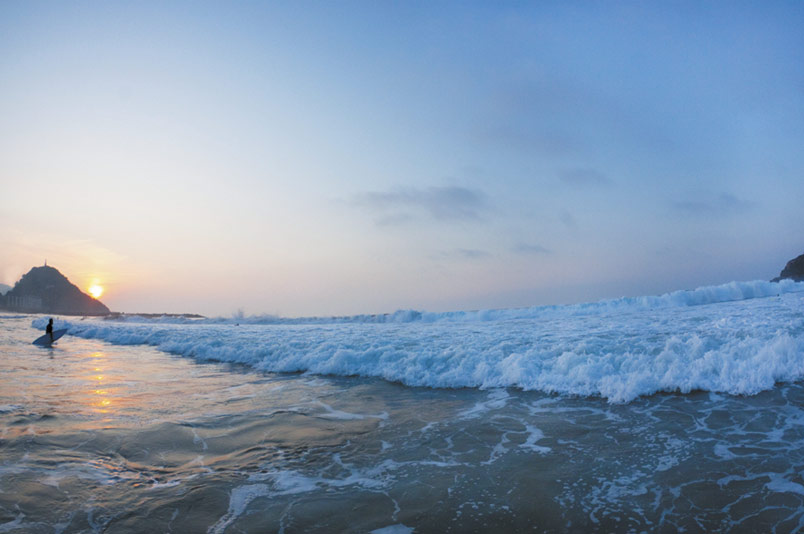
[(306, 158)]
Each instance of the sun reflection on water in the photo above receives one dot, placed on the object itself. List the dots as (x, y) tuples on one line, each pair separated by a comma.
[(100, 401)]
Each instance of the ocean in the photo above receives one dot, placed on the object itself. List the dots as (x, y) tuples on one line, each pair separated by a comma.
[(669, 413)]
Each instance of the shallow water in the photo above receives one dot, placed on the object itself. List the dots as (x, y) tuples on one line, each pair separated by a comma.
[(108, 438)]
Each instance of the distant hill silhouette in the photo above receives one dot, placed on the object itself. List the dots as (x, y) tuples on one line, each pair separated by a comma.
[(46, 290), (794, 270)]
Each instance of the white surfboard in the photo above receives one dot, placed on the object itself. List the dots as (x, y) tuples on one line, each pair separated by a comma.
[(45, 341)]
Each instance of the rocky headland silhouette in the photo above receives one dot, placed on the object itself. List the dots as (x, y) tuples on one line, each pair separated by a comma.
[(793, 270), (45, 290)]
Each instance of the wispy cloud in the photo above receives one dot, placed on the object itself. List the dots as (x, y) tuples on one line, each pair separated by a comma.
[(568, 219), (526, 138), (721, 205), (530, 249), (585, 177), (439, 203), (468, 254), (393, 219), (472, 254)]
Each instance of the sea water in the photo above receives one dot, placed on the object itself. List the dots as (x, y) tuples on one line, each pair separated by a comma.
[(667, 413)]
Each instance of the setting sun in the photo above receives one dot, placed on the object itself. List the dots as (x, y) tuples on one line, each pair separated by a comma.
[(96, 291)]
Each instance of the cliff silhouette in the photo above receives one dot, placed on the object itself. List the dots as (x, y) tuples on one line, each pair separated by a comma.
[(793, 270), (46, 290)]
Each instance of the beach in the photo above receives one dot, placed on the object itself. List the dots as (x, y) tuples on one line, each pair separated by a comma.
[(426, 424), (401, 267)]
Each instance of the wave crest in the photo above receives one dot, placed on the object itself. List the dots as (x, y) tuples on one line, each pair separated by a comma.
[(619, 349), (732, 291)]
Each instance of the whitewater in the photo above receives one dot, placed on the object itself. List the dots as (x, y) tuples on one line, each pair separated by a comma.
[(738, 338), (681, 412)]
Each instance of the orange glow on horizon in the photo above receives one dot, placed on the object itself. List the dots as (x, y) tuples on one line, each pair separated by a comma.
[(95, 290)]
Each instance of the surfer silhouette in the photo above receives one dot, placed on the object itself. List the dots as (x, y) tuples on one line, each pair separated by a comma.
[(49, 329)]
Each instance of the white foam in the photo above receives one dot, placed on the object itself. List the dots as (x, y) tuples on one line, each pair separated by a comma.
[(291, 482), (399, 528), (198, 439), (498, 450), (331, 413), (534, 435), (239, 499), (14, 524), (722, 451), (780, 484), (739, 344), (495, 400)]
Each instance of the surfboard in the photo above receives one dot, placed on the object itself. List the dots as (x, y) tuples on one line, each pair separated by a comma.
[(44, 341)]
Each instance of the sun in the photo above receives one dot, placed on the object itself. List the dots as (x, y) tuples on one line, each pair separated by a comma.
[(96, 291)]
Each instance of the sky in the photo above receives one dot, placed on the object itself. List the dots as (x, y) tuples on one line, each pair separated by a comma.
[(331, 158)]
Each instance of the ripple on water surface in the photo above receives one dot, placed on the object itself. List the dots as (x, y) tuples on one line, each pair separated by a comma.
[(97, 437)]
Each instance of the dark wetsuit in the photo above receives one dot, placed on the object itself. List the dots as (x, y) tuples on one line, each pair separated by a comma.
[(49, 330)]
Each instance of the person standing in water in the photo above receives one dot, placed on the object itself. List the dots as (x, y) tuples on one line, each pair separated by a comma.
[(49, 329)]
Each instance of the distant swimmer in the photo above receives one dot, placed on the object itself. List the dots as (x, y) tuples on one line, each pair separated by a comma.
[(49, 329)]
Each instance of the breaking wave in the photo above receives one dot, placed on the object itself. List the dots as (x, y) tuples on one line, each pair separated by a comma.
[(617, 349), (732, 291)]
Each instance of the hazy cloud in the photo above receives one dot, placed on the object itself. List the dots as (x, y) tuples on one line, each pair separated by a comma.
[(460, 254), (719, 206), (530, 249), (524, 138), (585, 177), (440, 203), (472, 254), (75, 258), (393, 219), (568, 219)]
